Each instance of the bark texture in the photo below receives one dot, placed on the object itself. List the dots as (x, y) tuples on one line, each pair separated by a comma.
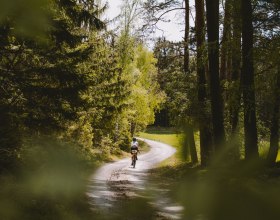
[(203, 118), (274, 129), (248, 87), (212, 15)]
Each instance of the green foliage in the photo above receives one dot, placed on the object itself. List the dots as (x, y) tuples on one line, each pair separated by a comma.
[(28, 19), (146, 96), (50, 183), (87, 95), (42, 82), (68, 81), (224, 190), (180, 88)]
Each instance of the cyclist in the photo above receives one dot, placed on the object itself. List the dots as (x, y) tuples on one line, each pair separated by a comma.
[(134, 146)]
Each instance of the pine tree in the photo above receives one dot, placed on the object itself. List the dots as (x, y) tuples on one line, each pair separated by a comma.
[(42, 80)]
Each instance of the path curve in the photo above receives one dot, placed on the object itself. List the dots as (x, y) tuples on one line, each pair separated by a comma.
[(159, 152), (100, 191)]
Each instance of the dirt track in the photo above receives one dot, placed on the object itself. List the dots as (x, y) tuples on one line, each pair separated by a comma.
[(119, 180)]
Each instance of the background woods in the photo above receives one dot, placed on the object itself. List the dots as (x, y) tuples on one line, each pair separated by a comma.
[(224, 81)]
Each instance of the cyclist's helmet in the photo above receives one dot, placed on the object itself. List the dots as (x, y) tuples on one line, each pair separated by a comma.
[(134, 139)]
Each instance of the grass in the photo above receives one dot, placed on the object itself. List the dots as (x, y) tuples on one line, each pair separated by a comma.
[(174, 167), (167, 136), (263, 150), (172, 137), (218, 192), (176, 164)]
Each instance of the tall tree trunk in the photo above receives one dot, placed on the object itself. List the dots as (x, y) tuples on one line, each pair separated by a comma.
[(186, 37), (192, 145), (225, 49), (235, 76), (248, 87), (212, 15), (189, 133), (274, 129), (204, 129)]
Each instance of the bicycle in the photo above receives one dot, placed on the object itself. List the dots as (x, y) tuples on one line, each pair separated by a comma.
[(133, 157)]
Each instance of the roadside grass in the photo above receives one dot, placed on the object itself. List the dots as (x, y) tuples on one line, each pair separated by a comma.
[(174, 138), (176, 166), (263, 150), (167, 136), (221, 191)]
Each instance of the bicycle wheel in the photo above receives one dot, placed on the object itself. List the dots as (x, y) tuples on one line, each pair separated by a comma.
[(134, 161)]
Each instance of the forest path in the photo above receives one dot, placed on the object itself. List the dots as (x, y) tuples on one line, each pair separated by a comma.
[(119, 181)]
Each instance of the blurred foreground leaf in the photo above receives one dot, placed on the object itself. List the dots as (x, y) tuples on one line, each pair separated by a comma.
[(28, 18), (50, 185)]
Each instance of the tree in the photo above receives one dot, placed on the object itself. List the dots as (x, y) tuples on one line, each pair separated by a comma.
[(204, 128), (235, 92), (266, 62), (187, 36), (274, 128), (212, 16), (146, 96), (189, 128), (155, 12), (42, 79), (136, 80), (247, 75), (225, 43)]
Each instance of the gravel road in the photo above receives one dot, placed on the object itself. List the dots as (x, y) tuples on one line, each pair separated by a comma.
[(115, 181)]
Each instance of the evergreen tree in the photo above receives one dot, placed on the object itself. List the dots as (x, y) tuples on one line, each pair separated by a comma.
[(42, 80)]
